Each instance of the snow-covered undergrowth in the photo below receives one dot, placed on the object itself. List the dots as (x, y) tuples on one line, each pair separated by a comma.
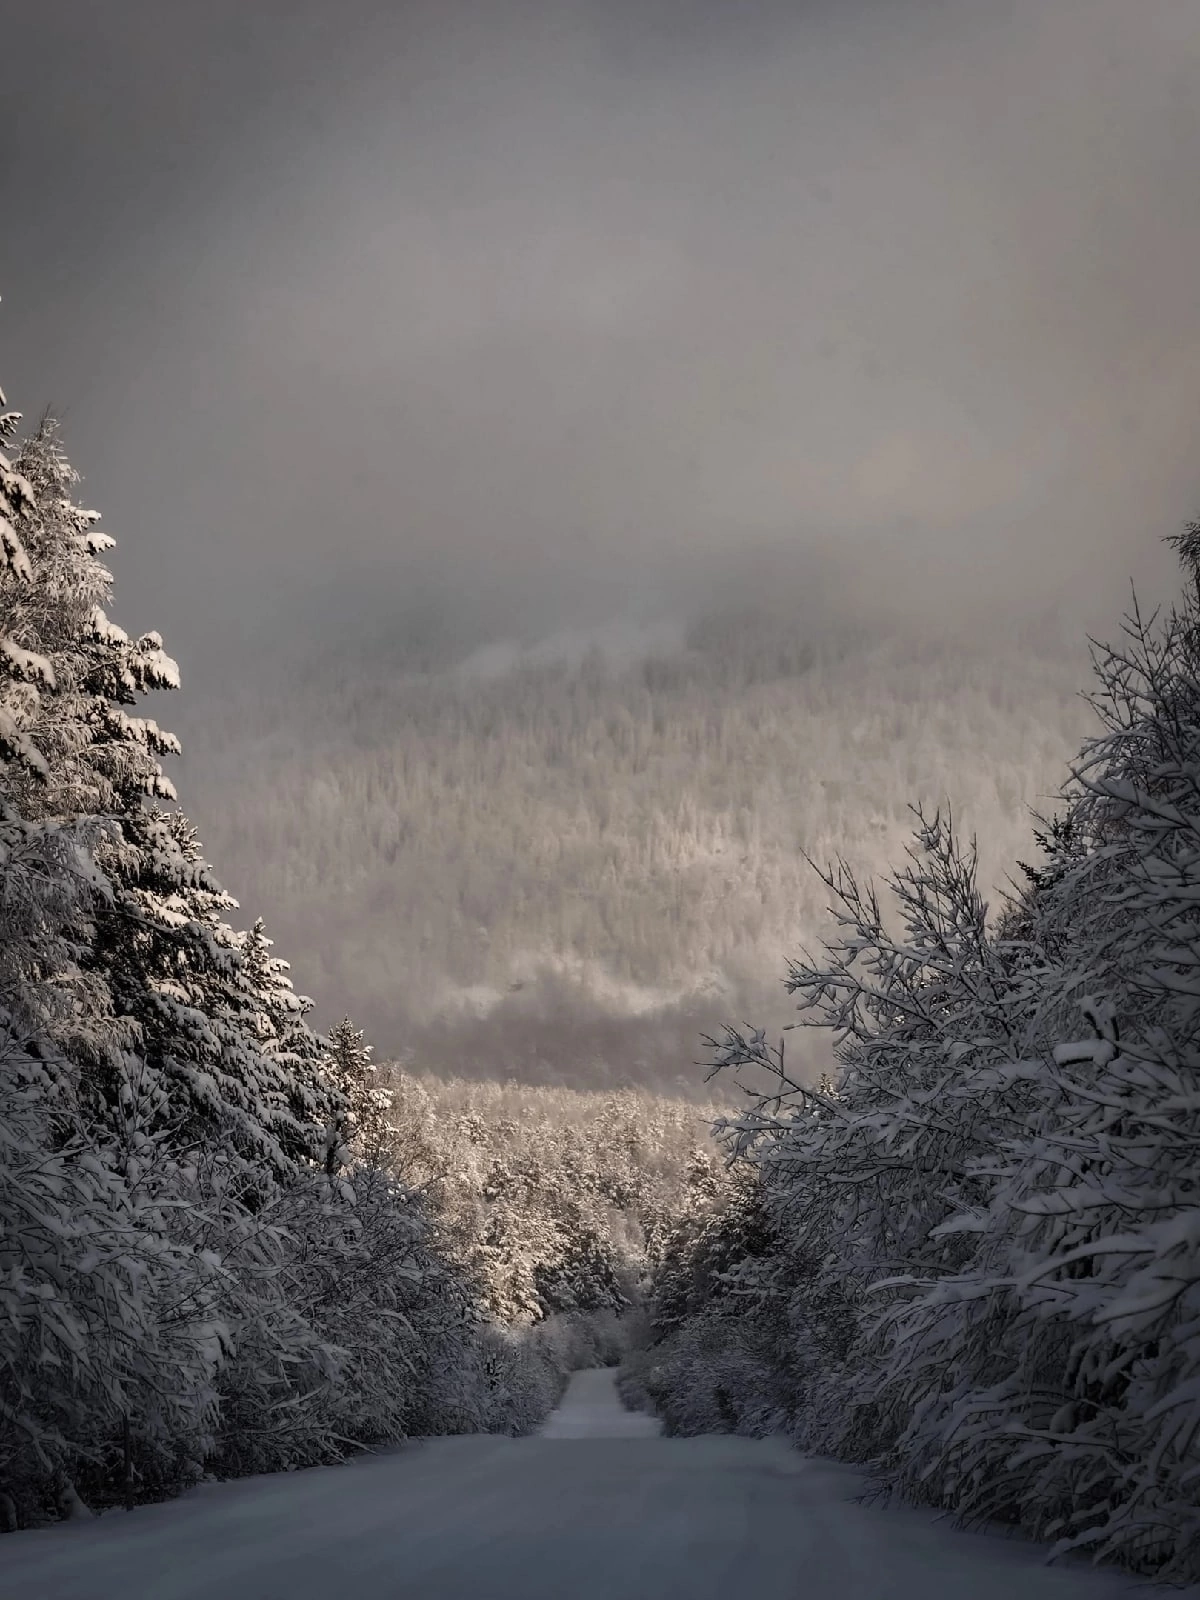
[(973, 1257)]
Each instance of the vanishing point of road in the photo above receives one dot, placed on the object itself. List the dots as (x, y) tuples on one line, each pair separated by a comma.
[(598, 1506)]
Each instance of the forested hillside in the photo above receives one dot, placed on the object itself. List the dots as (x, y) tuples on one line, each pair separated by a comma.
[(972, 1257), (555, 1200), (566, 864)]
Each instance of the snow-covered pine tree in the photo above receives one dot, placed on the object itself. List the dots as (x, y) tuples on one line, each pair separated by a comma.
[(361, 1127), (22, 669), (163, 945), (282, 1031), (85, 1268), (193, 1118)]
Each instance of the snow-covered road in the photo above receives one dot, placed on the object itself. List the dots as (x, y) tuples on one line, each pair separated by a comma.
[(590, 1409), (596, 1508)]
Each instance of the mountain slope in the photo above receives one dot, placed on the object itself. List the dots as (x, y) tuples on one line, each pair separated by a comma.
[(563, 864)]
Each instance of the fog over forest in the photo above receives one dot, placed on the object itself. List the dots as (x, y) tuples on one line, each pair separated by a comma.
[(586, 455), (571, 869)]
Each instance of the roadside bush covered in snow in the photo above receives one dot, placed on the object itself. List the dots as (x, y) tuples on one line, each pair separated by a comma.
[(984, 1271), (714, 1355)]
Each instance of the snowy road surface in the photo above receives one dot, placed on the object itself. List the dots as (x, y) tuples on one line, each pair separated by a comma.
[(590, 1409), (596, 1508)]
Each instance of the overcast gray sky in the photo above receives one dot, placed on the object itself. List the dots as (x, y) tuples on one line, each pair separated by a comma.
[(493, 314)]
